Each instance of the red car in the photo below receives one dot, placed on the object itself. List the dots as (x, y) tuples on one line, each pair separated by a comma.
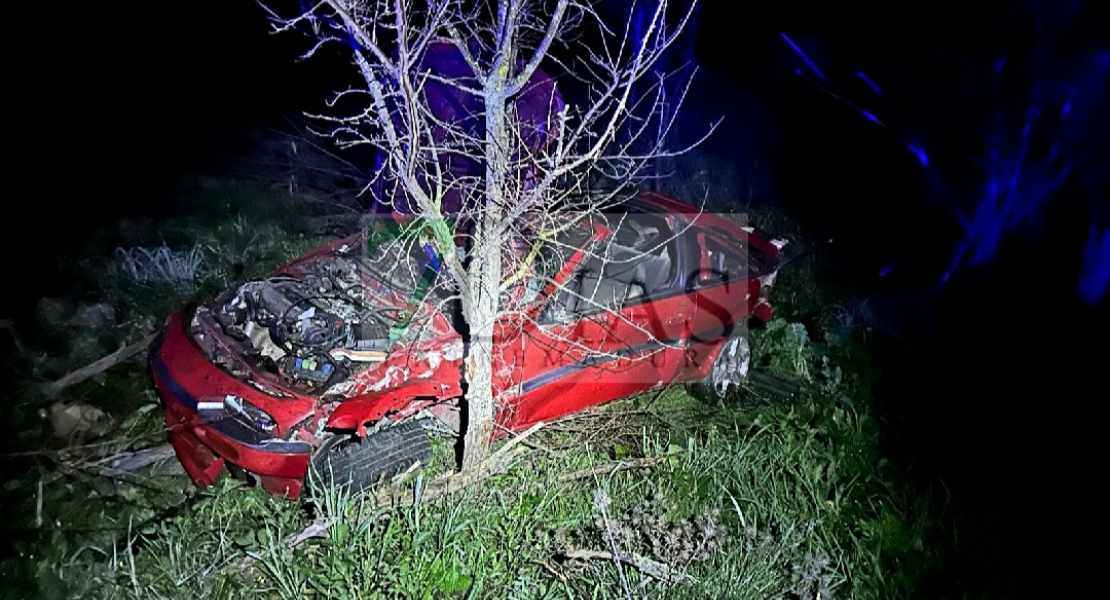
[(349, 358)]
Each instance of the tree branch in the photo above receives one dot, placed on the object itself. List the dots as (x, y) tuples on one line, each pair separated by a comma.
[(95, 368), (553, 29), (652, 568)]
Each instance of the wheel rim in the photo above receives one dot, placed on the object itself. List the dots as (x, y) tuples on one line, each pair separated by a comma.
[(731, 366)]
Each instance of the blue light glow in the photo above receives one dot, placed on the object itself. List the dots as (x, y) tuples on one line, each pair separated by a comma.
[(1044, 121), (433, 258), (919, 152), (871, 84), (1032, 160), (870, 116), (1094, 280), (809, 63), (640, 16)]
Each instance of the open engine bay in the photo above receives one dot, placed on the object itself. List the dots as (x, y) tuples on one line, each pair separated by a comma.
[(305, 330)]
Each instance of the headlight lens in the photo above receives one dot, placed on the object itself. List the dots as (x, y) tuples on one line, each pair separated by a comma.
[(237, 407)]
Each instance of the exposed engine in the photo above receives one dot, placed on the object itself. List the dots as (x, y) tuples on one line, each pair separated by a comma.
[(311, 330)]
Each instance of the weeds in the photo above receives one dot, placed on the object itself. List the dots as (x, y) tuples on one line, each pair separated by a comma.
[(754, 503), (161, 265), (784, 349)]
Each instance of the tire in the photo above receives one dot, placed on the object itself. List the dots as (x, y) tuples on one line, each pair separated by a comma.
[(357, 464)]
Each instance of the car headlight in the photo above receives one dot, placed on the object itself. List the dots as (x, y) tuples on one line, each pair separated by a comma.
[(236, 406)]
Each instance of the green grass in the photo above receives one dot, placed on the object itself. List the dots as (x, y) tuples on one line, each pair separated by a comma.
[(795, 488), (794, 496)]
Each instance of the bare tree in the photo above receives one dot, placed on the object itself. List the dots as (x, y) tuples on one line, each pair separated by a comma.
[(480, 144)]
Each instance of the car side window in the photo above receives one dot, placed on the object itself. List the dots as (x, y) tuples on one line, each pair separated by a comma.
[(642, 254), (610, 277), (598, 289), (635, 263), (584, 293)]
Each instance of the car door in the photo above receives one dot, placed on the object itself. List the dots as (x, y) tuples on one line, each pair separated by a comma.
[(602, 336)]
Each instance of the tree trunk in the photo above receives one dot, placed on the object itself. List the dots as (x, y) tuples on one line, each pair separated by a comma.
[(479, 378), (485, 279)]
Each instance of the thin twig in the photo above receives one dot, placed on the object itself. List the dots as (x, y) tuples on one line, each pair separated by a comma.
[(131, 461), (316, 529), (497, 463), (609, 537), (403, 476), (652, 568), (551, 569), (610, 468)]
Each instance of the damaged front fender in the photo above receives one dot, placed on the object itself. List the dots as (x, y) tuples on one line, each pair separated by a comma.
[(397, 403)]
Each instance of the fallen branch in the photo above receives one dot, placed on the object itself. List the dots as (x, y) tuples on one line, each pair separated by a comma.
[(106, 472), (404, 475), (394, 497), (118, 466), (112, 449), (543, 563), (606, 469), (652, 568), (316, 529), (104, 478), (131, 461), (95, 368), (503, 450)]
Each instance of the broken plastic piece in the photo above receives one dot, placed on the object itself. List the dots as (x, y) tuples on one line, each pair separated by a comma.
[(359, 355)]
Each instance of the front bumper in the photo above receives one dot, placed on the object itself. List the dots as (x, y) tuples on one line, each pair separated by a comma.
[(204, 443)]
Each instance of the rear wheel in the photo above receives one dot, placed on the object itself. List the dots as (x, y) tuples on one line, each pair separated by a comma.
[(731, 366), (730, 369), (357, 464)]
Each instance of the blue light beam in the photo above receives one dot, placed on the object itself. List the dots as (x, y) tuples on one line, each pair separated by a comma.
[(809, 63), (871, 84)]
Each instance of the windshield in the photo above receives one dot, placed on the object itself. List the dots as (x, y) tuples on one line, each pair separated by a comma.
[(405, 262), (403, 258)]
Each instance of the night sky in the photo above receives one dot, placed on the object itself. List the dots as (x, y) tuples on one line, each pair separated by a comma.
[(134, 99), (1000, 372)]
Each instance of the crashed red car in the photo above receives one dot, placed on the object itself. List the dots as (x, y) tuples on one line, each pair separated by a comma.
[(349, 358)]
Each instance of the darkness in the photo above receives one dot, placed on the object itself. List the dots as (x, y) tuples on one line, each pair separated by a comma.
[(133, 100), (991, 382)]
